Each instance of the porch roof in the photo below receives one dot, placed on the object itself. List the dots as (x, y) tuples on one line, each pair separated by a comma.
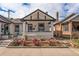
[(17, 20), (69, 18), (57, 22), (4, 19)]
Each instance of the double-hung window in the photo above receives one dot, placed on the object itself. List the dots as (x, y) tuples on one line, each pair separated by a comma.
[(65, 27), (17, 29)]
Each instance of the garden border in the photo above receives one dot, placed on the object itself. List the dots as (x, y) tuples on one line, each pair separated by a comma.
[(35, 47)]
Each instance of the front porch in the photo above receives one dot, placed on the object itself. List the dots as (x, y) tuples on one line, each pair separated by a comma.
[(38, 29), (70, 29), (74, 29)]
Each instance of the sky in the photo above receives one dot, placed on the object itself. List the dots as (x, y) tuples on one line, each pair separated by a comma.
[(19, 10)]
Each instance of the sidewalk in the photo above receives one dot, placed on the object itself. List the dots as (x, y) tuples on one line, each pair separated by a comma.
[(76, 50), (37, 52)]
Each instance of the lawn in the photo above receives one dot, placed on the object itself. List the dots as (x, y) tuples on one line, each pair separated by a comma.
[(76, 42)]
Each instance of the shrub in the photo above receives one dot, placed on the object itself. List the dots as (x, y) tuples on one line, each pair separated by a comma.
[(51, 38), (42, 39), (36, 42), (44, 43), (76, 43), (25, 43), (19, 42), (26, 37), (52, 43), (14, 43), (66, 37)]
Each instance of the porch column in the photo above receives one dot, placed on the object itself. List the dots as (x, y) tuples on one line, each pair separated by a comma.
[(24, 29), (70, 29), (52, 28), (11, 29)]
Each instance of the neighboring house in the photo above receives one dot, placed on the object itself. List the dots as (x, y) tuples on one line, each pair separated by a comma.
[(17, 27), (4, 26), (69, 27), (58, 29), (40, 24), (36, 24)]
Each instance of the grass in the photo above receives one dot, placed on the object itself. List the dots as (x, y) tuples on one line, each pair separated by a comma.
[(76, 41), (66, 37)]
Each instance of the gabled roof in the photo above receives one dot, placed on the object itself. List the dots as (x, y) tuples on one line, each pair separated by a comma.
[(4, 19), (17, 20), (69, 18), (40, 11), (57, 22)]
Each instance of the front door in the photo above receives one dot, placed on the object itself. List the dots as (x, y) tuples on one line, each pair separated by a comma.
[(17, 29), (41, 27), (29, 27)]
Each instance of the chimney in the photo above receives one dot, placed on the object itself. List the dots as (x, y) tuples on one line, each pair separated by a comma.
[(57, 16)]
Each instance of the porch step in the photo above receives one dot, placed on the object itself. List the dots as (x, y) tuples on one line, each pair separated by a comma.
[(4, 43)]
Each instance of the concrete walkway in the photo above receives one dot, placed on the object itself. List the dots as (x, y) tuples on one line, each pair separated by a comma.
[(38, 51)]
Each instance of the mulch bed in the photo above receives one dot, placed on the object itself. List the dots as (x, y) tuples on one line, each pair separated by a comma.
[(35, 43)]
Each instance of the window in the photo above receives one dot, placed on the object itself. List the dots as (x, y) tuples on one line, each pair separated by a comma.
[(77, 28), (65, 27), (17, 29), (38, 15), (29, 27), (41, 27), (2, 28)]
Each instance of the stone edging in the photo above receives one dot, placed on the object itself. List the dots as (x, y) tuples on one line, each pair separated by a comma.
[(35, 47)]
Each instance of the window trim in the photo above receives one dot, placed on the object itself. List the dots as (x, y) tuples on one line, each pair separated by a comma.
[(43, 27), (30, 29), (17, 32), (65, 27)]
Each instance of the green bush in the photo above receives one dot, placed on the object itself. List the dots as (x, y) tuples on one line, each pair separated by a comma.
[(43, 39), (66, 36), (26, 37)]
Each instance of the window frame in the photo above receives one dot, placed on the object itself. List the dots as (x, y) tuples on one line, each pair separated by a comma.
[(17, 30), (66, 27), (30, 29)]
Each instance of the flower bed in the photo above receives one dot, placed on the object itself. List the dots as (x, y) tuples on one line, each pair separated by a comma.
[(46, 43)]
